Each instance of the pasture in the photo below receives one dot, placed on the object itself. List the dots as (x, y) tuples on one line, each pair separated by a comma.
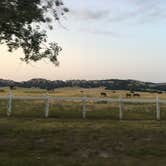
[(77, 92), (65, 139), (73, 109), (64, 142)]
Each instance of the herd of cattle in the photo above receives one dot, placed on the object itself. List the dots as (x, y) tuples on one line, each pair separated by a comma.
[(128, 95), (133, 95)]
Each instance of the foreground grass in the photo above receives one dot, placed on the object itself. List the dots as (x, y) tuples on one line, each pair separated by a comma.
[(65, 142)]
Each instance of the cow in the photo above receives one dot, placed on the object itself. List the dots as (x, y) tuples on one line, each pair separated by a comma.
[(128, 95), (136, 95), (103, 94), (12, 87)]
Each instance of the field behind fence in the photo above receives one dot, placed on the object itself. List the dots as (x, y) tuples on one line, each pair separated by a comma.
[(83, 107)]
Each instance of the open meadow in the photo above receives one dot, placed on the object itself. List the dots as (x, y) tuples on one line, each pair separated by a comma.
[(65, 139), (73, 109)]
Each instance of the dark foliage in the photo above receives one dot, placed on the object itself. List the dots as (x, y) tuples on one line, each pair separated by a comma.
[(22, 25), (113, 84)]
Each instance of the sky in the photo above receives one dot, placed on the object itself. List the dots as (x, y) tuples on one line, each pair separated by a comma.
[(123, 39)]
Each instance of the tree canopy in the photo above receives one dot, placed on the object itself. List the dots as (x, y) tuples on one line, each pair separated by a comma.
[(22, 25)]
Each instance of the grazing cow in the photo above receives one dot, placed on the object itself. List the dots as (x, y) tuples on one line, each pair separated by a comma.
[(12, 87), (2, 90), (128, 95), (82, 92), (136, 95), (103, 94)]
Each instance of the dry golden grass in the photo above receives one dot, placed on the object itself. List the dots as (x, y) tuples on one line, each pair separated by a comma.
[(78, 92)]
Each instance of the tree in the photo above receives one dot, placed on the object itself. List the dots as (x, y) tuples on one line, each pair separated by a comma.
[(22, 25)]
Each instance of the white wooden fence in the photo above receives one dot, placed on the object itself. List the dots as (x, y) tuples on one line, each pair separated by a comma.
[(84, 100)]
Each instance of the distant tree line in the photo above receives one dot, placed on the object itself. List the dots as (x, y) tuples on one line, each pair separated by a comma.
[(111, 84)]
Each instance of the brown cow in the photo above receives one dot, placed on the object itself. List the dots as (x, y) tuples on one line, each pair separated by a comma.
[(128, 95), (136, 95), (103, 94)]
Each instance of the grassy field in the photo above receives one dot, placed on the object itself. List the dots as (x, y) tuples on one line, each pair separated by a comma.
[(76, 92), (73, 110), (72, 142), (95, 110), (65, 139)]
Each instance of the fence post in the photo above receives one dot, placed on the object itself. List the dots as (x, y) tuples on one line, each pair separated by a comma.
[(157, 108), (84, 107), (9, 107), (47, 107), (120, 108)]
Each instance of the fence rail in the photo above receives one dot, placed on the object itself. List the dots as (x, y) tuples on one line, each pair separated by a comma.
[(84, 100)]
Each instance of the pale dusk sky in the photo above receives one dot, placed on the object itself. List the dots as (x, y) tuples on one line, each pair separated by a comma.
[(122, 39)]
